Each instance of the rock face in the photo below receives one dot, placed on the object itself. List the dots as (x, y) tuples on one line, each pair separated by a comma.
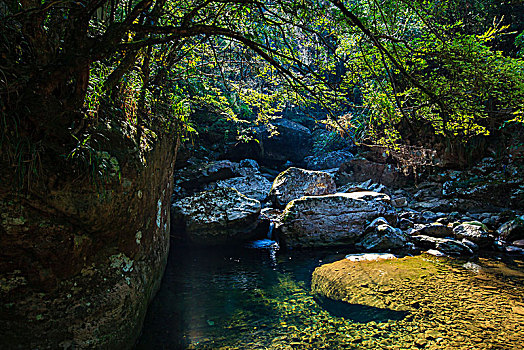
[(252, 186), (221, 216), (330, 160), (337, 219), (294, 183), (274, 144), (79, 266)]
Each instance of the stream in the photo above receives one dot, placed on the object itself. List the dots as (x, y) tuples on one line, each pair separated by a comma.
[(259, 297)]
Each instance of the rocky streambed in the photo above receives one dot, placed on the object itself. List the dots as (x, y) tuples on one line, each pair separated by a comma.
[(455, 213), (317, 299), (453, 277)]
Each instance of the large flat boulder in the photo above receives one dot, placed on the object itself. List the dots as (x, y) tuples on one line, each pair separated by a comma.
[(377, 283), (221, 216), (294, 183), (331, 220)]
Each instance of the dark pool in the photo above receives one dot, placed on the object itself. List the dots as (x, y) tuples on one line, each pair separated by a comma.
[(245, 298)]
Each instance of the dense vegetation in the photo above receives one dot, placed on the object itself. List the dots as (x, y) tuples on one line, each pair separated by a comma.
[(386, 71)]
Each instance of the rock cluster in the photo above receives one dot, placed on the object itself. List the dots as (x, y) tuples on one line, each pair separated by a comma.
[(361, 204)]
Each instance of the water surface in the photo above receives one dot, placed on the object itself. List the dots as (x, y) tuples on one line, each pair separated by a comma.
[(245, 298)]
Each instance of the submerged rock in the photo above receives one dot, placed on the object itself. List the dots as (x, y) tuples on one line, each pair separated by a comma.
[(371, 282), (434, 230), (221, 216), (337, 219), (294, 183)]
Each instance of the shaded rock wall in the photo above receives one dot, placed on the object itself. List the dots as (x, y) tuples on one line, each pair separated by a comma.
[(79, 263)]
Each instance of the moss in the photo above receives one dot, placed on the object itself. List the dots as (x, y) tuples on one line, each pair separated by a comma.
[(121, 261), (79, 240)]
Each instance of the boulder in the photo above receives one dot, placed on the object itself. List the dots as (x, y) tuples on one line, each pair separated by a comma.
[(197, 175), (329, 160), (364, 186), (370, 256), (453, 247), (249, 163), (405, 224), (400, 202), (383, 237), (444, 245), (248, 167), (221, 216), (252, 186), (331, 220), (358, 170), (519, 243), (514, 250), (472, 245), (376, 223), (433, 230), (474, 232), (294, 183), (284, 140), (512, 230)]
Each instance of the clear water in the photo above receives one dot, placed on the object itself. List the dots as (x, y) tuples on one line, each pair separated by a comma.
[(246, 298)]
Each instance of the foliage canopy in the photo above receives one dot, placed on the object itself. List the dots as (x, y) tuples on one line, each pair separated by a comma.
[(371, 68)]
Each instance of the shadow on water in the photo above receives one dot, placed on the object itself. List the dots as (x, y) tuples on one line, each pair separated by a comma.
[(359, 313), (259, 297), (203, 289)]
